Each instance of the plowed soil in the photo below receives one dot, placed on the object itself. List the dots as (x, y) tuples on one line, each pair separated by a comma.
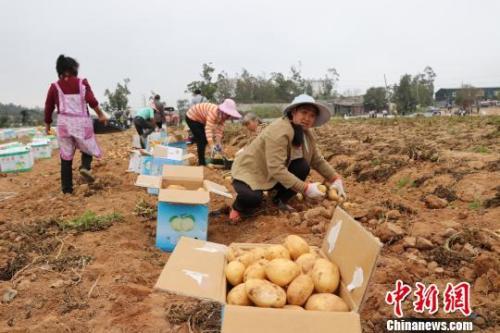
[(437, 179)]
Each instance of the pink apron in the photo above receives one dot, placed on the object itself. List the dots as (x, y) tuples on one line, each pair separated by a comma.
[(74, 125)]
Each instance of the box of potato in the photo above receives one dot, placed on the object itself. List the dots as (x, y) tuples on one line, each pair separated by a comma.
[(289, 287)]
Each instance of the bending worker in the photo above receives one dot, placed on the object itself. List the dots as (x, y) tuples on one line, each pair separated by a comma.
[(206, 122), (281, 158)]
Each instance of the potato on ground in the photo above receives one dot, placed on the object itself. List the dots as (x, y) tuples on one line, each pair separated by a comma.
[(326, 302), (306, 262), (234, 272), (265, 294), (277, 251), (282, 271), (299, 290), (238, 296), (325, 276), (254, 271), (296, 245)]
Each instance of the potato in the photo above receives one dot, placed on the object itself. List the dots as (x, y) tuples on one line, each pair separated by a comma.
[(265, 294), (332, 195), (300, 197), (293, 307), (254, 271), (296, 245), (306, 262), (238, 296), (277, 251), (234, 272), (326, 302), (299, 290), (325, 276), (322, 188), (233, 253), (259, 253), (246, 258), (175, 187), (282, 271)]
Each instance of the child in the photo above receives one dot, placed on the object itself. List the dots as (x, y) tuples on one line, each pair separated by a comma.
[(74, 125)]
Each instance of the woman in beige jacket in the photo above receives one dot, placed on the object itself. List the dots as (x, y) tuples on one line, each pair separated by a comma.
[(281, 158)]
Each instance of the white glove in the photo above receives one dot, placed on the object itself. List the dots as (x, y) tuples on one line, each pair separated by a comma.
[(338, 185), (313, 192)]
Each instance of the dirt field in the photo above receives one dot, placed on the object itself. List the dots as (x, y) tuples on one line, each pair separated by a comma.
[(417, 184)]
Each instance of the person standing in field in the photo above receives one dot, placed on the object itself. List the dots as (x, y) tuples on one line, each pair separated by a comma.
[(75, 129)]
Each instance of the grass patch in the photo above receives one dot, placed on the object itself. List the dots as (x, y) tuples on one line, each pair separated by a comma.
[(481, 150), (90, 221), (145, 209), (475, 205), (405, 181)]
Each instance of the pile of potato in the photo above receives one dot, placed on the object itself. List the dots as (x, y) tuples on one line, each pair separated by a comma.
[(291, 275)]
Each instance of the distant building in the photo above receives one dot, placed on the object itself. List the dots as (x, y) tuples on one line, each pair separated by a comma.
[(352, 106), (449, 94)]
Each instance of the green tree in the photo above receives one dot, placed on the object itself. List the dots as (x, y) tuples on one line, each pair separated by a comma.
[(375, 99), (404, 95), (25, 117), (225, 87), (328, 83), (245, 87), (309, 88), (466, 96), (207, 86), (4, 121), (117, 100)]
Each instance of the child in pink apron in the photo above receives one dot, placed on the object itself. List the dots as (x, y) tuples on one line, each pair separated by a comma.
[(74, 124)]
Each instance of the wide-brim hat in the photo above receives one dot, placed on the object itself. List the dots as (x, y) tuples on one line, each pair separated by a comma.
[(229, 108), (324, 113)]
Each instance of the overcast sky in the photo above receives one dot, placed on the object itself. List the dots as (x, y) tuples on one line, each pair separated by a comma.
[(161, 45)]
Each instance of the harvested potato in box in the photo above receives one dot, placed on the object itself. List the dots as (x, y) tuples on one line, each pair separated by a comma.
[(325, 276), (306, 262), (265, 294), (247, 258), (259, 253), (296, 246), (254, 271), (277, 251), (238, 296), (282, 271), (299, 290), (293, 307), (326, 302), (234, 272)]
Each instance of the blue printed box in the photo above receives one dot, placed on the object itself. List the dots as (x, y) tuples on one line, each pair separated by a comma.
[(182, 203)]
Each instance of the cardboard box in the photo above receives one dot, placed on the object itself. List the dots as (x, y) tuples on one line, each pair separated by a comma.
[(196, 269), (16, 159), (41, 149), (181, 212)]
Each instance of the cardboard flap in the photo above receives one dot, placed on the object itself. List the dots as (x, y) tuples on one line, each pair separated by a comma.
[(355, 250), (249, 319), (183, 173), (217, 189), (194, 269), (148, 181), (184, 196)]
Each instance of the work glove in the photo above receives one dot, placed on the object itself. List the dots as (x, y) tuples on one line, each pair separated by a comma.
[(338, 185), (313, 192)]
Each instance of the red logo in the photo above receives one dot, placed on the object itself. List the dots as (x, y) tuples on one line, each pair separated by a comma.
[(457, 298), (397, 296)]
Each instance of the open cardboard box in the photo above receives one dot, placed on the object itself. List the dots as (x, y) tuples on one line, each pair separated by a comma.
[(196, 269), (181, 212)]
